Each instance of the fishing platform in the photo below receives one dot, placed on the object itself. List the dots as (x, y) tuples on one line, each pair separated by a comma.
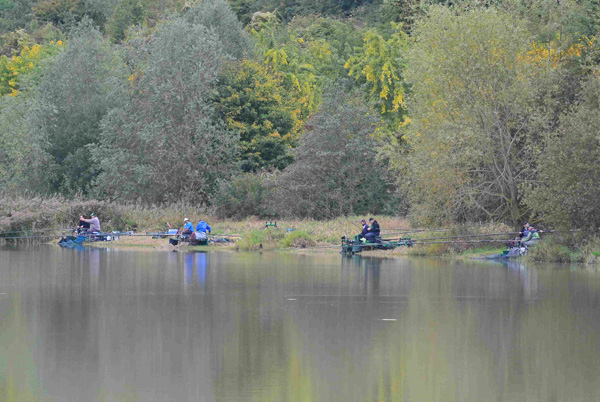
[(358, 244), (73, 241)]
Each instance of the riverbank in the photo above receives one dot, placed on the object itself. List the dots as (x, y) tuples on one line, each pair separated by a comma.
[(308, 238), (28, 217), (310, 235)]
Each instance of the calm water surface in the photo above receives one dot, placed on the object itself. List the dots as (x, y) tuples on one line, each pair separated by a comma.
[(115, 325)]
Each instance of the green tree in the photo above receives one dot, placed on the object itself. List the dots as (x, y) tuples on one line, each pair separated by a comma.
[(256, 104), (218, 16), (69, 104), (336, 170), (15, 14), (59, 12), (163, 140), (473, 133), (5, 5), (127, 13), (567, 193), (289, 9), (68, 13), (563, 21), (24, 165)]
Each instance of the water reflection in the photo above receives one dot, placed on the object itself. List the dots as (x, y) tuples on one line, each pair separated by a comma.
[(369, 267), (122, 325), (196, 262)]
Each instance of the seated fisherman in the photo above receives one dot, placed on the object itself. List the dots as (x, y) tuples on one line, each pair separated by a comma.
[(516, 242), (365, 229), (532, 236), (202, 227), (82, 226), (374, 230), (188, 228), (524, 230), (94, 223)]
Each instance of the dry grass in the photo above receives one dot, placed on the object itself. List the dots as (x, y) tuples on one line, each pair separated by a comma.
[(33, 214)]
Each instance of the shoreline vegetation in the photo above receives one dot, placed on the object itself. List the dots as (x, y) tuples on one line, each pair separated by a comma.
[(35, 216), (467, 117)]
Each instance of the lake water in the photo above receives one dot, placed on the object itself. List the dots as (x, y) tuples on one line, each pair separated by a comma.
[(117, 325)]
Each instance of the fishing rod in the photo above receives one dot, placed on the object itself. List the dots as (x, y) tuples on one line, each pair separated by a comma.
[(27, 237), (416, 242), (404, 230), (457, 237), (414, 231), (465, 241), (71, 214), (309, 248), (34, 230)]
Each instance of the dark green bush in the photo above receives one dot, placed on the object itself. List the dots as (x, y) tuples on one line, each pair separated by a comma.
[(243, 196)]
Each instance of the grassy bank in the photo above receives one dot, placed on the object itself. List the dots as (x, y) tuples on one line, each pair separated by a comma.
[(31, 216), (567, 249)]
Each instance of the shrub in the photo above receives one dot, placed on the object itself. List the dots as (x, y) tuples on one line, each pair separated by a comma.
[(243, 196), (550, 251), (297, 239), (336, 171), (260, 240)]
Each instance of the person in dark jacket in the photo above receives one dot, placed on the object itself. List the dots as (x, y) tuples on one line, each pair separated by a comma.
[(374, 230), (365, 229), (82, 226), (524, 230)]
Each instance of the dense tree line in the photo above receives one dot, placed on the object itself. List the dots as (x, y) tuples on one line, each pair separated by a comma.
[(456, 112)]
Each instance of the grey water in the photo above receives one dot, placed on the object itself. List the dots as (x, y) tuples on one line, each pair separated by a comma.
[(120, 325)]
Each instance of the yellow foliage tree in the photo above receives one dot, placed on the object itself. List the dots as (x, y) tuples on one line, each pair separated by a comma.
[(303, 64), (380, 66), (12, 69)]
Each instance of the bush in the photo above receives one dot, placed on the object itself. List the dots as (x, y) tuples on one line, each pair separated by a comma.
[(336, 171), (297, 239), (261, 239), (243, 196), (551, 250)]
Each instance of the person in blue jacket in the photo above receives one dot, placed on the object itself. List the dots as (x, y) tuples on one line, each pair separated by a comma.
[(202, 227), (188, 228)]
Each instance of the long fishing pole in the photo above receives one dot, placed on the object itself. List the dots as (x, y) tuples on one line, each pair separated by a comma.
[(416, 242), (36, 230), (476, 235), (465, 241), (415, 230), (457, 237), (27, 237)]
